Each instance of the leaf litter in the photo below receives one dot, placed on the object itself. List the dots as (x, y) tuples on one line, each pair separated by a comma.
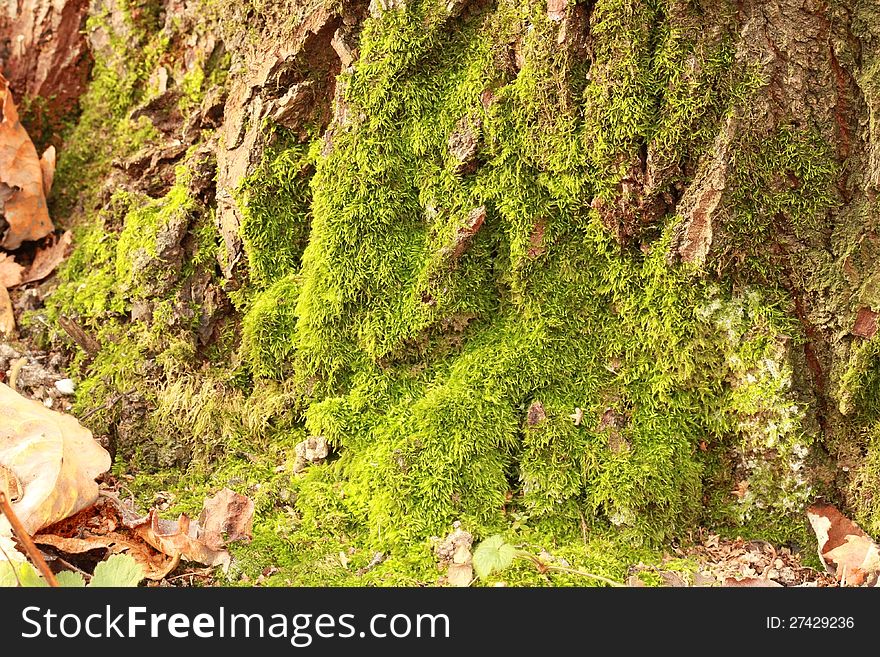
[(731, 562), (49, 470)]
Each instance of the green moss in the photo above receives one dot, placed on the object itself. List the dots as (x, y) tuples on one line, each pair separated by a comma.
[(469, 337), (781, 184), (275, 204), (268, 329), (423, 365)]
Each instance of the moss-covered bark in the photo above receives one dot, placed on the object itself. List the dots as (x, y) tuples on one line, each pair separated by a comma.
[(603, 269)]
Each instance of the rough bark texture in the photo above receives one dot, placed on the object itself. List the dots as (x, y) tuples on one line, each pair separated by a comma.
[(529, 266), (43, 53)]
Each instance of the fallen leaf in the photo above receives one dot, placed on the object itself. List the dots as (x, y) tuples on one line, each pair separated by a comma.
[(7, 316), (74, 545), (10, 271), (179, 539), (227, 516), (846, 550), (53, 456), (21, 179), (155, 564), (47, 258)]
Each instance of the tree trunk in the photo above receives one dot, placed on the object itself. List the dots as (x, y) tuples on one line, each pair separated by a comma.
[(554, 265)]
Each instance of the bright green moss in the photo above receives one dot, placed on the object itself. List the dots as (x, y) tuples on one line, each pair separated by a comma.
[(268, 329), (275, 204), (526, 374), (423, 366)]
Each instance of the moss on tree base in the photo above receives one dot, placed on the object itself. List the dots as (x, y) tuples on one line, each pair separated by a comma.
[(585, 279)]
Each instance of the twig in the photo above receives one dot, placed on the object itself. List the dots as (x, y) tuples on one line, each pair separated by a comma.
[(573, 571), (106, 406), (11, 567), (76, 332), (65, 562), (26, 541)]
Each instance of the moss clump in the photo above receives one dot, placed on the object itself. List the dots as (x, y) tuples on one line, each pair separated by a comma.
[(426, 346), (276, 209)]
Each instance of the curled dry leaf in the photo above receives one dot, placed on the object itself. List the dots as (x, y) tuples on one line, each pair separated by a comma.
[(227, 516), (52, 455), (847, 552), (47, 258), (22, 190), (156, 565), (180, 539)]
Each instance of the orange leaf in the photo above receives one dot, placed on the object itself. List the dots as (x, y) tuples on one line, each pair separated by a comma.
[(10, 271), (21, 179), (847, 552)]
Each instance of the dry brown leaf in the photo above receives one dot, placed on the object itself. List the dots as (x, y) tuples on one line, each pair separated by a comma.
[(21, 179), (227, 516), (847, 552), (180, 539), (226, 513), (156, 565), (74, 545), (7, 316), (751, 582), (10, 271), (53, 456), (47, 258)]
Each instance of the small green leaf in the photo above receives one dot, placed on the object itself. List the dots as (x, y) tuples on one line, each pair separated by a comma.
[(23, 573), (118, 570), (70, 579), (493, 555)]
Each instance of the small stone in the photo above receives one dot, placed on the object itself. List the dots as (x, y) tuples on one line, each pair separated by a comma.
[(65, 386), (312, 450), (536, 414)]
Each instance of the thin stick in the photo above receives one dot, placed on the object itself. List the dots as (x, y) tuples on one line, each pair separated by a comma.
[(110, 403), (26, 541), (582, 573), (11, 567), (64, 562)]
